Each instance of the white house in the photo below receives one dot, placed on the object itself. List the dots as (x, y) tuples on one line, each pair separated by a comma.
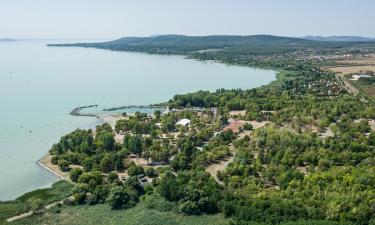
[(183, 122), (356, 77)]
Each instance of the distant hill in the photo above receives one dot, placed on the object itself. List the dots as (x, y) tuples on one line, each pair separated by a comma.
[(191, 43), (181, 44), (339, 38), (7, 39), (213, 40)]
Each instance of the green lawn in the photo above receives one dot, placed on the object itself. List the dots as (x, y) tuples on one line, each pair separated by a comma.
[(59, 190)]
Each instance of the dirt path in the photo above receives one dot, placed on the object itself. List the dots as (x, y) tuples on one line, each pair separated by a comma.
[(214, 168), (372, 124), (221, 165), (29, 213), (349, 86)]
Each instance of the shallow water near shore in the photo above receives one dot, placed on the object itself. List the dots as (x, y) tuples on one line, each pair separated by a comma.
[(40, 85)]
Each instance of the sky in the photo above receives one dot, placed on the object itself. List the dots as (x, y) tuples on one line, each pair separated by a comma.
[(110, 19)]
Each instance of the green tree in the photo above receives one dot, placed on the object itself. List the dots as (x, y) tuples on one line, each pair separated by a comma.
[(75, 173), (36, 206), (112, 177), (105, 140), (63, 165), (107, 163), (120, 198)]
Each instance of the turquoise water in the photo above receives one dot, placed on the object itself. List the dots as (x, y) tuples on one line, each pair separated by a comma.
[(40, 85)]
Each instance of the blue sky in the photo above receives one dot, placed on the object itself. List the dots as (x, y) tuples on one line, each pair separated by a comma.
[(117, 18)]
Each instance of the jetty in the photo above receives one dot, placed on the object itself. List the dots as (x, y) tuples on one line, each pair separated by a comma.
[(134, 106), (77, 111)]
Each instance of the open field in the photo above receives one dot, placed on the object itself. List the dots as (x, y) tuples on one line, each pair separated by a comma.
[(354, 65), (352, 69), (370, 91)]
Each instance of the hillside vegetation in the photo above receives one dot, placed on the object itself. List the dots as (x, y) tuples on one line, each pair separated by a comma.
[(180, 44)]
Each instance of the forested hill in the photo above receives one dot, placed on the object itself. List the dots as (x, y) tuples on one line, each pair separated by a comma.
[(175, 44)]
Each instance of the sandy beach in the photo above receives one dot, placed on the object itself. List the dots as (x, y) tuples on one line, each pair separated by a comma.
[(45, 162)]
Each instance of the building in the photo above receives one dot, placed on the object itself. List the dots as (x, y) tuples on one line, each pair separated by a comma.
[(183, 122), (356, 77)]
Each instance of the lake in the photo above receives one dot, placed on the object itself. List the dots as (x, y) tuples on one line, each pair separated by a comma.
[(40, 85)]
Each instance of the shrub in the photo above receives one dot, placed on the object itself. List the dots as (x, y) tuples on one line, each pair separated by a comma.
[(112, 177), (151, 172), (247, 126), (75, 174), (63, 165), (156, 202), (135, 170), (55, 160)]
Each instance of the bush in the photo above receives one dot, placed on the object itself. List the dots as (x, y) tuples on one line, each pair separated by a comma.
[(112, 177), (189, 208), (135, 170), (63, 165), (36, 206), (247, 126), (148, 188), (120, 198), (55, 160), (75, 174), (151, 172), (156, 202)]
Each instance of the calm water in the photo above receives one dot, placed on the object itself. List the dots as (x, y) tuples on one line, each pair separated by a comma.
[(39, 86)]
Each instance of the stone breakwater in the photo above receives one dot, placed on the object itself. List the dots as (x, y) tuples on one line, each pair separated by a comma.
[(77, 111)]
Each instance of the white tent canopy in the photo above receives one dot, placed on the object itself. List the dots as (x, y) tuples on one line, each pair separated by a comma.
[(183, 122)]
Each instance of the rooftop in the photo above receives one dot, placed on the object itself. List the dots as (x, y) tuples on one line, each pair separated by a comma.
[(183, 122)]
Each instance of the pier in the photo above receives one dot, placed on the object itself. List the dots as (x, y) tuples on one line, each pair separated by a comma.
[(77, 111), (134, 106)]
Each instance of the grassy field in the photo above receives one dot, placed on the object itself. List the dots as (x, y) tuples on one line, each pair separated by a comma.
[(139, 215), (59, 190), (102, 214), (281, 76), (152, 211)]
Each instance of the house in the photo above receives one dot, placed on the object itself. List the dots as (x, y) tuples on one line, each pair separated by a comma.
[(183, 122), (356, 77)]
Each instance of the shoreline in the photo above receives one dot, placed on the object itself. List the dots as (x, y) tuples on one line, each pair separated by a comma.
[(45, 163), (45, 160)]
